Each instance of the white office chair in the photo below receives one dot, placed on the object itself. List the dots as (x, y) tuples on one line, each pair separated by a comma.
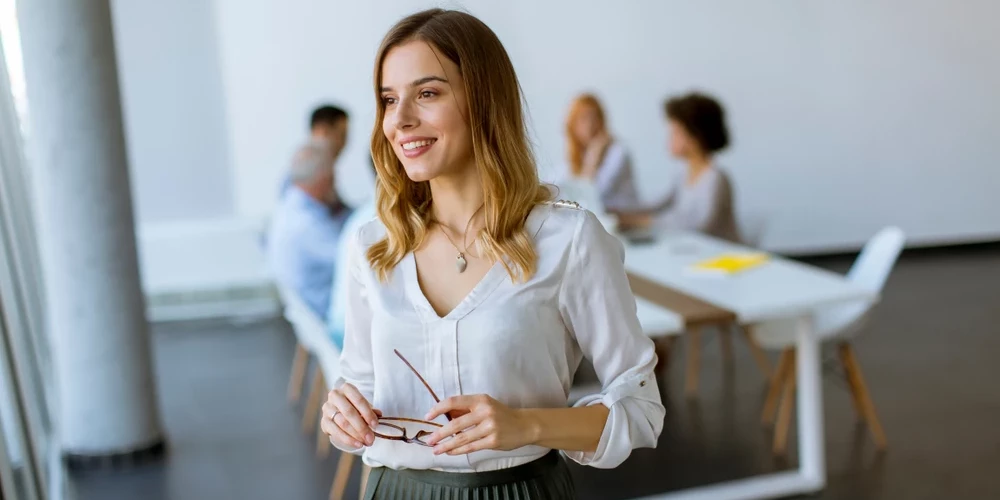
[(753, 228), (307, 339), (311, 334), (313, 339), (689, 317), (839, 323), (328, 357)]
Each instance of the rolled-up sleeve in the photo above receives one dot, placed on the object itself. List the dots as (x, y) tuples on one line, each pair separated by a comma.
[(356, 365), (599, 309)]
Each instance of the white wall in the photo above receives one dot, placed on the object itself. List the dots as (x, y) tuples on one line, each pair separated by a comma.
[(171, 89), (846, 115), (190, 236), (280, 60)]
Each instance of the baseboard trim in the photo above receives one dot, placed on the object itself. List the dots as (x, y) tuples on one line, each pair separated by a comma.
[(911, 251), (76, 462), (237, 302)]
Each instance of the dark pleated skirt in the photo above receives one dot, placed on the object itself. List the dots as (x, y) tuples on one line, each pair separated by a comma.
[(545, 478)]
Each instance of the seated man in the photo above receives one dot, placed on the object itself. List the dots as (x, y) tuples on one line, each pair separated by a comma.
[(306, 227), (338, 297), (327, 124)]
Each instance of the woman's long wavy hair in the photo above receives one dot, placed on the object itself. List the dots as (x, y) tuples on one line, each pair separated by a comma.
[(575, 148), (511, 187)]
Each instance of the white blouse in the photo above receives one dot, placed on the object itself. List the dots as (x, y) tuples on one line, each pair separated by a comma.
[(518, 343)]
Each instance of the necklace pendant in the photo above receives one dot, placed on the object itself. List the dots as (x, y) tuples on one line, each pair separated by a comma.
[(460, 263)]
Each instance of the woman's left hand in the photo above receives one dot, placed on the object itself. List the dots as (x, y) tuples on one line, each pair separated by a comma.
[(484, 424)]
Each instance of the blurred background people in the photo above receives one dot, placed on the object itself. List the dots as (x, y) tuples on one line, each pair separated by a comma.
[(701, 196), (305, 229), (598, 160), (327, 125)]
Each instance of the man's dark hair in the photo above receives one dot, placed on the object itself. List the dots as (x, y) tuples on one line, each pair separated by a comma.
[(326, 115), (703, 117)]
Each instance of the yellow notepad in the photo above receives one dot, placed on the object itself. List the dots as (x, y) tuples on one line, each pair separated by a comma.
[(731, 263)]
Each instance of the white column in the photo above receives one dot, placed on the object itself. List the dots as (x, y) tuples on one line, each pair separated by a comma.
[(96, 312)]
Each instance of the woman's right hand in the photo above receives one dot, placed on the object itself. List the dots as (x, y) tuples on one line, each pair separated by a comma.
[(348, 418), (594, 154)]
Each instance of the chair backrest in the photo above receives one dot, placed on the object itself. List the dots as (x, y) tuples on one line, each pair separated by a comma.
[(870, 270), (877, 258), (312, 333), (753, 228), (310, 329)]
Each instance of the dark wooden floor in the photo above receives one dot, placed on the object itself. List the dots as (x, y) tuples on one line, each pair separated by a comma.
[(931, 362)]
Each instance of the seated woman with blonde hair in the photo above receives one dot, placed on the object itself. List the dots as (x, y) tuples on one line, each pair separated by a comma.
[(596, 158)]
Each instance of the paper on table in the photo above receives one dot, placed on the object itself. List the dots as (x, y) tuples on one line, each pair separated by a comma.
[(729, 263)]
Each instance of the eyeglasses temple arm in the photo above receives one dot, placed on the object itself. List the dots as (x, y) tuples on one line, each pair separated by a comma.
[(415, 372)]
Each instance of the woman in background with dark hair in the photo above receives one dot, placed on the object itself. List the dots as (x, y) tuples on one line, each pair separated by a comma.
[(701, 199)]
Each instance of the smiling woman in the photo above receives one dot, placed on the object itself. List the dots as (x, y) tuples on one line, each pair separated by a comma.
[(422, 121), (494, 293), (434, 121)]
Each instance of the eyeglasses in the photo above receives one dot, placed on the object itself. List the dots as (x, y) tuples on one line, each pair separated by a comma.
[(395, 428)]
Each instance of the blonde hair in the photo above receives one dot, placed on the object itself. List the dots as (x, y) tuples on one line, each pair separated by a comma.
[(575, 148), (511, 187)]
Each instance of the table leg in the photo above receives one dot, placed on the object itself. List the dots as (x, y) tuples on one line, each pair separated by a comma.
[(812, 459), (810, 477)]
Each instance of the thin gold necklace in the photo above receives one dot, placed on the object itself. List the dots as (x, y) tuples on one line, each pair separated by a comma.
[(460, 263)]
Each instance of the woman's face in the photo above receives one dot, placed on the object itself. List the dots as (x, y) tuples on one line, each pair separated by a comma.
[(425, 112), (679, 141), (587, 125)]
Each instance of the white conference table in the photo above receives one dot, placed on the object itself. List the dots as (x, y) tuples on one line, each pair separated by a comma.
[(778, 289)]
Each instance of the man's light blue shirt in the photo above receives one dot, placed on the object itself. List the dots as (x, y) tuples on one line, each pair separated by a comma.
[(303, 244)]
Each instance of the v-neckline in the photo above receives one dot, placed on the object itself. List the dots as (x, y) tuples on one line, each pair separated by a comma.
[(480, 291), (493, 277)]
